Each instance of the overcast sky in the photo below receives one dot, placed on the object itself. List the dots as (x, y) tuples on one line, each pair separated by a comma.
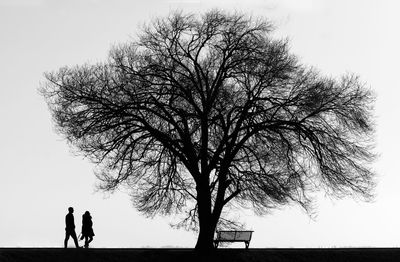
[(40, 176)]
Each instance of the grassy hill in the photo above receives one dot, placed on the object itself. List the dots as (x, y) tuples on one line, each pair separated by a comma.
[(189, 255)]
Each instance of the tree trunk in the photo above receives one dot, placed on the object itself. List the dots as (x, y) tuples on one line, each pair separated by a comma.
[(206, 237), (206, 222)]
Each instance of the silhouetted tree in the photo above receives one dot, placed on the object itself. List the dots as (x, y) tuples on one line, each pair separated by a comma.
[(204, 112)]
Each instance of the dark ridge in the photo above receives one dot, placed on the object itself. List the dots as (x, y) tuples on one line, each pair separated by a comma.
[(190, 255)]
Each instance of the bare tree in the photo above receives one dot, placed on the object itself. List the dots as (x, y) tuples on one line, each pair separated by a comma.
[(204, 112)]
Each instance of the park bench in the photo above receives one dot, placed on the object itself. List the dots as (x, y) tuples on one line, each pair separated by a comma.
[(233, 236)]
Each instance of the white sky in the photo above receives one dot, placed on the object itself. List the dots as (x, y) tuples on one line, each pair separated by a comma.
[(40, 176)]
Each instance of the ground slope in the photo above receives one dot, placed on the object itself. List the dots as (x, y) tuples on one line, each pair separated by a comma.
[(189, 255)]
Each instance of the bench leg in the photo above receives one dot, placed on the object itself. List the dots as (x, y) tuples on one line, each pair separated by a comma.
[(216, 244), (247, 243)]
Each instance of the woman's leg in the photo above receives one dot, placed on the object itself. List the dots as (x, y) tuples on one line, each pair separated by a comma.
[(86, 242), (90, 240)]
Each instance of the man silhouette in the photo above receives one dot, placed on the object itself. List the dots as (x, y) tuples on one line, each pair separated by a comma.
[(70, 228)]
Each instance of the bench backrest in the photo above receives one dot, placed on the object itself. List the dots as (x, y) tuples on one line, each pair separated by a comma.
[(234, 235)]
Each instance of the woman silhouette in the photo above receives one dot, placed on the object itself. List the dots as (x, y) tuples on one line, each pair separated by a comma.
[(87, 228)]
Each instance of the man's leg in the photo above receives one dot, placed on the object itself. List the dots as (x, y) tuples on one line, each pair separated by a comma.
[(66, 239), (73, 235)]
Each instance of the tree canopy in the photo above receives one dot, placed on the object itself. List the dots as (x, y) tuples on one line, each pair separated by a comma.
[(201, 112)]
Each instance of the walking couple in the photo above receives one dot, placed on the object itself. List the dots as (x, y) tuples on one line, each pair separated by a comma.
[(87, 228)]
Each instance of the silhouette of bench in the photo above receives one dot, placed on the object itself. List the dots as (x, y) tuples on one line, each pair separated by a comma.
[(233, 236)]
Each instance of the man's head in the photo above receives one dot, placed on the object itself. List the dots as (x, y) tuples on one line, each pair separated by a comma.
[(71, 210)]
